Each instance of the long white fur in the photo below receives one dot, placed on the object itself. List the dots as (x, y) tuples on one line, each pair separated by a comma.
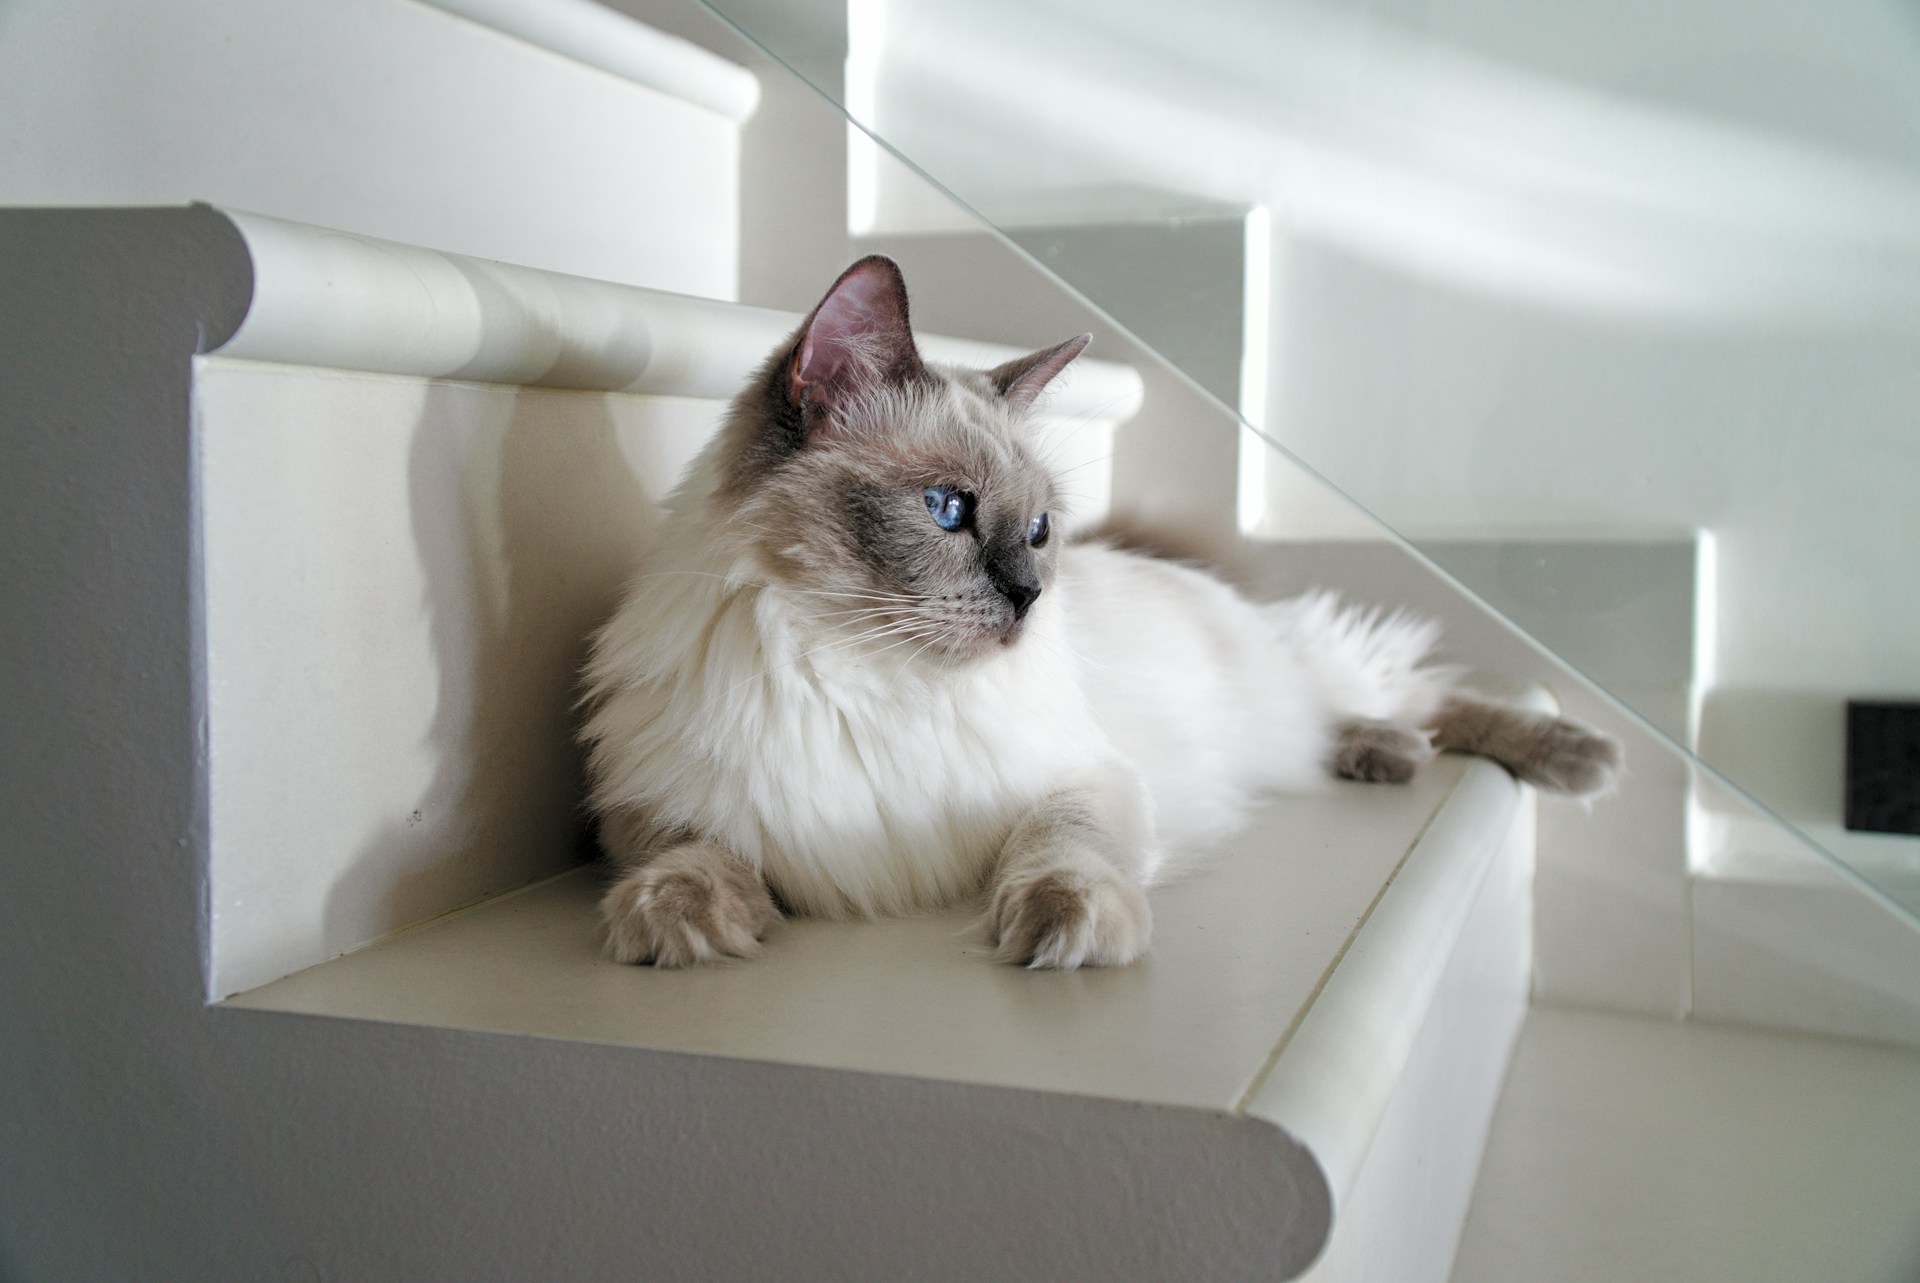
[(861, 780)]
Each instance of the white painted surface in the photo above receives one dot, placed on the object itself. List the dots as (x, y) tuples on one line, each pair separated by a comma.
[(1547, 270), (1611, 913), (1613, 918), (401, 573), (330, 298), (1790, 442), (1608, 173), (383, 117), (1781, 937), (597, 36), (400, 577), (1612, 886), (153, 1136), (793, 150), (1241, 950), (1635, 1149), (1332, 1082), (1618, 913), (1401, 1220), (1238, 1013), (1814, 955)]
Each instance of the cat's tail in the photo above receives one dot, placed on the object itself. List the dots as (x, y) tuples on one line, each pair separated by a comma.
[(1366, 663)]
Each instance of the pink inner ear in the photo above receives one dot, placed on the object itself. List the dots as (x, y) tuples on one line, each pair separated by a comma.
[(842, 316), (856, 333)]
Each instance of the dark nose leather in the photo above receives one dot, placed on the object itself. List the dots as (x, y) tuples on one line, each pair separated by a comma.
[(1010, 568), (1022, 596)]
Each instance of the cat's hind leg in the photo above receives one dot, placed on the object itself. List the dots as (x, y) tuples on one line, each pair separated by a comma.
[(1068, 890), (1548, 752), (1396, 706), (687, 903)]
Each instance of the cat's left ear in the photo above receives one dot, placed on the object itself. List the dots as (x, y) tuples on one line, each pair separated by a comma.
[(1021, 381)]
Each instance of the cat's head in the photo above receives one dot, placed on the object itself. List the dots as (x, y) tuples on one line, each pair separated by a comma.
[(903, 502)]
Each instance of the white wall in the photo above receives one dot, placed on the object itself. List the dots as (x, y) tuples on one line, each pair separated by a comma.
[(384, 117), (793, 151), (1793, 444), (1575, 271)]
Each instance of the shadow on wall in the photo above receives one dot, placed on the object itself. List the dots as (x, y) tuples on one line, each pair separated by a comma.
[(526, 515)]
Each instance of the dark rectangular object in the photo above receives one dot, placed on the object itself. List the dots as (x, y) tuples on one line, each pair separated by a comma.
[(1883, 767)]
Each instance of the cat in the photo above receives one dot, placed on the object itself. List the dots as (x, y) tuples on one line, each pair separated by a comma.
[(864, 669)]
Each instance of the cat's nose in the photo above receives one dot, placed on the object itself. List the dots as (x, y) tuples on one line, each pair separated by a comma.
[(1010, 569), (1022, 596)]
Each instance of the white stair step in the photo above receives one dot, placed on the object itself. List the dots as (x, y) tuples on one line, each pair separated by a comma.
[(1628, 1148), (1346, 978)]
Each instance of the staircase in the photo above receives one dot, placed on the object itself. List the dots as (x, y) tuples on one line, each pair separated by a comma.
[(319, 491), (416, 480)]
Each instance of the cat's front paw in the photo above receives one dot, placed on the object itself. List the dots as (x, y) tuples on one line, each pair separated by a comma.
[(1067, 916), (1566, 757), (688, 905)]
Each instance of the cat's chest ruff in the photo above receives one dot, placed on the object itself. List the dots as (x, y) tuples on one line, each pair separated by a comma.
[(874, 793)]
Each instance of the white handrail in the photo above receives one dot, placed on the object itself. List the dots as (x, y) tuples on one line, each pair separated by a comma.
[(334, 299)]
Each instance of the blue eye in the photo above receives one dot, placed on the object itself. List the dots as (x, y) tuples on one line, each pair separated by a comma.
[(1037, 530), (951, 509)]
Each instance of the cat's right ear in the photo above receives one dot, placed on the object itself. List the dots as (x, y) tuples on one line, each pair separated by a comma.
[(856, 340)]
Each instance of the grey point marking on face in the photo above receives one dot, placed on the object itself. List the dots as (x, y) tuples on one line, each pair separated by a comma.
[(829, 453)]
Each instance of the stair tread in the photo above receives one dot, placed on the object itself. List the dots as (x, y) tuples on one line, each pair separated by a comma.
[(1241, 950)]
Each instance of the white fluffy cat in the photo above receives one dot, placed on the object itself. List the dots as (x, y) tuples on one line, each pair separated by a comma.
[(864, 670)]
